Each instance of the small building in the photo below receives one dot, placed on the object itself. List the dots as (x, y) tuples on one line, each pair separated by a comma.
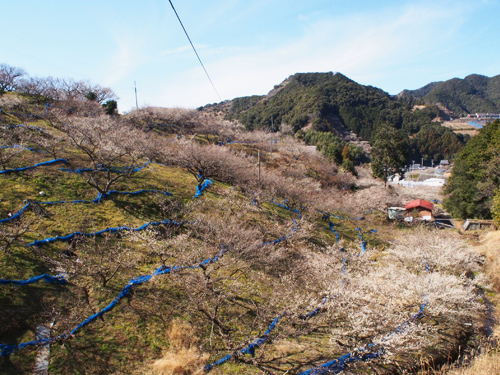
[(439, 171), (422, 208), (474, 224), (396, 213)]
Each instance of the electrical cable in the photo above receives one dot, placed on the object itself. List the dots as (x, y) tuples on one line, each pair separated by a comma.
[(194, 49)]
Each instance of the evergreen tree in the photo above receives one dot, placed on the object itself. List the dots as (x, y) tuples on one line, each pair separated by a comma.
[(388, 153)]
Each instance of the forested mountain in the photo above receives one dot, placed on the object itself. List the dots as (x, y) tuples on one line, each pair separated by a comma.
[(473, 94), (331, 102)]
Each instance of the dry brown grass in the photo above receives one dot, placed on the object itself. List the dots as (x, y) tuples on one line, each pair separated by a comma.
[(488, 362), (489, 245), (184, 357)]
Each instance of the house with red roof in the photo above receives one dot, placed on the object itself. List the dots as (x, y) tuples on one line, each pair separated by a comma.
[(421, 209)]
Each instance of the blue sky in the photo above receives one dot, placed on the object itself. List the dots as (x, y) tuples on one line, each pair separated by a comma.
[(248, 46)]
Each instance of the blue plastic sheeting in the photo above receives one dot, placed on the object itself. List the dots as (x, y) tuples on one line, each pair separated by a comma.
[(55, 161), (47, 278), (363, 242), (27, 126), (69, 237), (315, 311), (101, 169), (331, 225), (436, 201), (7, 350), (476, 125), (16, 215), (278, 240), (250, 349), (204, 185), (348, 218), (23, 147), (97, 200), (339, 364), (286, 207)]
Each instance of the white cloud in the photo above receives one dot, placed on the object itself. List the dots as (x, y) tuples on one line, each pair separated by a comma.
[(367, 46)]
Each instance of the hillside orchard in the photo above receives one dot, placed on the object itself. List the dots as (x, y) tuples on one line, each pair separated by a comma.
[(284, 263)]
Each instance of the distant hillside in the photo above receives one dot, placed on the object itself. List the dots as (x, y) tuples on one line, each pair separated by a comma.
[(473, 94), (331, 102)]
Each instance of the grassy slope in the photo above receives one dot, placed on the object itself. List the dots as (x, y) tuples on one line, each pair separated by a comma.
[(134, 333)]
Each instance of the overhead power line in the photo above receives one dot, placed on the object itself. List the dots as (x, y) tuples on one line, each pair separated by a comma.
[(194, 49)]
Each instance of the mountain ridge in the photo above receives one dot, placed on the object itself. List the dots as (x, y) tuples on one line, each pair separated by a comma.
[(332, 102), (475, 93)]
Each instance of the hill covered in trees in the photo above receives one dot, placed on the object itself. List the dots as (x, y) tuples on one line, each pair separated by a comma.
[(167, 241), (328, 102), (473, 94), (473, 189)]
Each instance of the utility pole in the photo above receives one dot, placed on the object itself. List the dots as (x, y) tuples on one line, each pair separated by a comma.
[(258, 162), (135, 89), (412, 171)]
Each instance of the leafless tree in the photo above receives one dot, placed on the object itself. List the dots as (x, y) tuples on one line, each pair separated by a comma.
[(100, 259), (66, 90), (12, 233), (9, 77), (114, 150), (33, 85), (51, 143), (169, 120), (210, 161), (12, 144)]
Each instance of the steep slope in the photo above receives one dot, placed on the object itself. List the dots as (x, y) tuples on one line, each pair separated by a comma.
[(281, 264)]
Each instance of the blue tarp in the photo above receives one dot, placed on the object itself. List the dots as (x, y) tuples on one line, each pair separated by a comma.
[(7, 350), (16, 215), (55, 161), (285, 206), (23, 147), (69, 237), (27, 126), (250, 349), (342, 251), (47, 278), (105, 169), (204, 185), (360, 355), (97, 200), (476, 125)]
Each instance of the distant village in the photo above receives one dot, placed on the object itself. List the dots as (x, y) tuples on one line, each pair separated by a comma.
[(471, 123), (420, 175)]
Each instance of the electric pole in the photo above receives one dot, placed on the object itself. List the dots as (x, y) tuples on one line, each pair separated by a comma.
[(135, 89)]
